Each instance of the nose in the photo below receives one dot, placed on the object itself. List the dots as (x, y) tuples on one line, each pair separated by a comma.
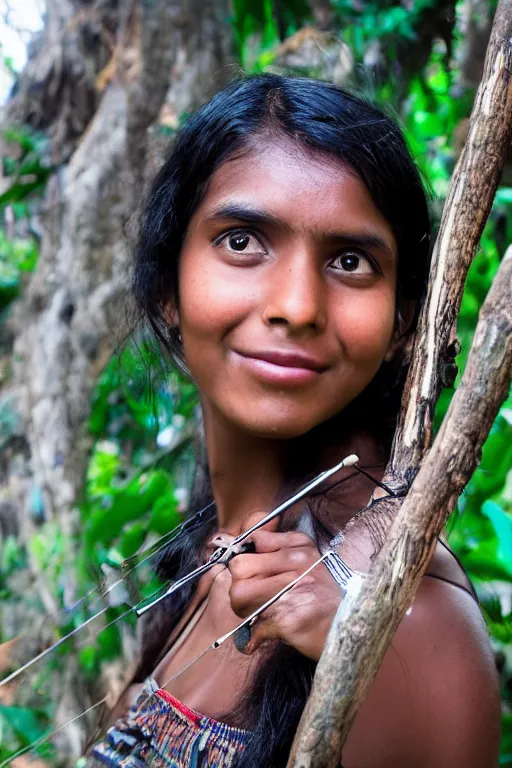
[(296, 295)]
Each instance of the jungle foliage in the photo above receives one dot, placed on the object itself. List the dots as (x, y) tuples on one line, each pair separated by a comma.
[(143, 417)]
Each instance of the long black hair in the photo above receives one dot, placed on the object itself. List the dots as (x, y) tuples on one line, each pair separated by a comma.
[(324, 119)]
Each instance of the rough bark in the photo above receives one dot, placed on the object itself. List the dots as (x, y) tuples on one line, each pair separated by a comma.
[(56, 93), (72, 312), (466, 210), (105, 82), (476, 23), (366, 623)]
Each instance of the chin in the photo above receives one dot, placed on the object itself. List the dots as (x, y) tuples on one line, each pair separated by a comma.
[(281, 432), (278, 427)]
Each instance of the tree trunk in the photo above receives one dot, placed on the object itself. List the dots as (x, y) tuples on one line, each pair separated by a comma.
[(162, 55), (101, 82)]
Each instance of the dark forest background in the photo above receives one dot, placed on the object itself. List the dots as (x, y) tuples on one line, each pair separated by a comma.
[(97, 435)]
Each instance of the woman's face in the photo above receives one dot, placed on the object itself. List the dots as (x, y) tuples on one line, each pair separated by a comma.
[(287, 291)]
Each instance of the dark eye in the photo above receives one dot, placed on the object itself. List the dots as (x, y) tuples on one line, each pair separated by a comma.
[(241, 242), (353, 261)]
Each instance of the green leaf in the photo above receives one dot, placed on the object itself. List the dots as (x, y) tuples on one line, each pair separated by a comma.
[(25, 723), (132, 539), (482, 542), (483, 564), (503, 196), (496, 460), (502, 524), (164, 515), (88, 660), (103, 468), (129, 504)]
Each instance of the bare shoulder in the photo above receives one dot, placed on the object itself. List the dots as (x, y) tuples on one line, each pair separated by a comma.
[(435, 701)]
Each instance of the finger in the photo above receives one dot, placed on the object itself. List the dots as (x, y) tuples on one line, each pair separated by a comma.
[(252, 637), (268, 564), (248, 595), (267, 541), (295, 619), (273, 624)]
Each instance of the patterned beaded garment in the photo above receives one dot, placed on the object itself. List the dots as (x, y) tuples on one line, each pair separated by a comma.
[(161, 732)]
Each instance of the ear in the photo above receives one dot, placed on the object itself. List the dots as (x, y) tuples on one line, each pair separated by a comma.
[(402, 340)]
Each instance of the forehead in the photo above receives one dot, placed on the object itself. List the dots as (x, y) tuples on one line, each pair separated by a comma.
[(306, 190)]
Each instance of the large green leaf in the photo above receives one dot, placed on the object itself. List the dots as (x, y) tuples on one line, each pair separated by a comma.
[(483, 541), (502, 524)]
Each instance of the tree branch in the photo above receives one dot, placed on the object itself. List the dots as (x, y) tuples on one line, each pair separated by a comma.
[(365, 623), (466, 210)]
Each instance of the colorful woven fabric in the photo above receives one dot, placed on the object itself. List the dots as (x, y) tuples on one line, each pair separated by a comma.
[(161, 732)]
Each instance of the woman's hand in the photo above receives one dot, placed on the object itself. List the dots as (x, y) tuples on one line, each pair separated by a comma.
[(303, 616)]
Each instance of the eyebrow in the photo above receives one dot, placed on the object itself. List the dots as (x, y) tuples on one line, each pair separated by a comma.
[(249, 214)]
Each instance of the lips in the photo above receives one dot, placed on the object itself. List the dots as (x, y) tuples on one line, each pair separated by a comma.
[(282, 368), (287, 359)]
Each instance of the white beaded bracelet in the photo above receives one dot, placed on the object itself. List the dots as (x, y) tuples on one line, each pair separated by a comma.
[(348, 579)]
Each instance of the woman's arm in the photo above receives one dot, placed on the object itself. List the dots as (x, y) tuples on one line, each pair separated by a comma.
[(435, 700)]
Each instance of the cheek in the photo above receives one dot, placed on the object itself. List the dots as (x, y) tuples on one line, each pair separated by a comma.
[(206, 302), (213, 301), (365, 325)]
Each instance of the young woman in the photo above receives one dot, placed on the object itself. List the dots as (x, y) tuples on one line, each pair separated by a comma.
[(282, 258)]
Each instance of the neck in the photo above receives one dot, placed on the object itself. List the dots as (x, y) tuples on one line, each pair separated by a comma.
[(247, 472)]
